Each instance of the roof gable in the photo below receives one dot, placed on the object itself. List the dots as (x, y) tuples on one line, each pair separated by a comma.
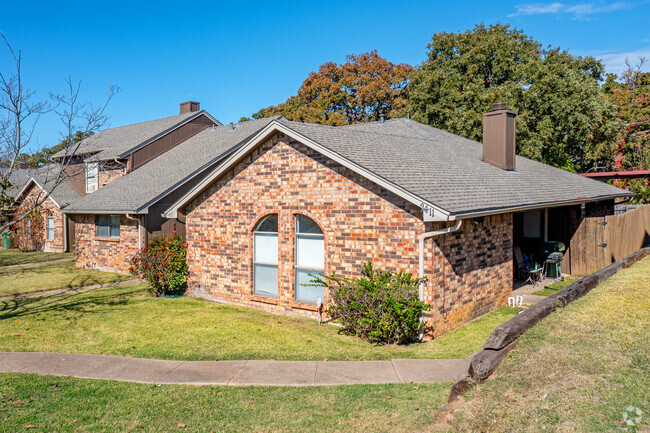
[(121, 141)]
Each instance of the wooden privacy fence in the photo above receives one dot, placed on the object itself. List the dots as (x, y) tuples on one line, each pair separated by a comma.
[(600, 241)]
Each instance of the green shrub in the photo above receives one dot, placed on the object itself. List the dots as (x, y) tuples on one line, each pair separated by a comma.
[(163, 264), (380, 306)]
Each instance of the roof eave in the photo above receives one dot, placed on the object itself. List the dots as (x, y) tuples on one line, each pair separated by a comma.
[(537, 206)]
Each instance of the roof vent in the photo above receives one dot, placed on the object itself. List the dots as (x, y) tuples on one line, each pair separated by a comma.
[(190, 107), (381, 119), (499, 142)]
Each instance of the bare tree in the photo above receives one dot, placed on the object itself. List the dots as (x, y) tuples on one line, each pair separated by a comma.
[(19, 115)]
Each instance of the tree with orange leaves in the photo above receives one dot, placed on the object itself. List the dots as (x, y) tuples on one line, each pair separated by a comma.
[(364, 88)]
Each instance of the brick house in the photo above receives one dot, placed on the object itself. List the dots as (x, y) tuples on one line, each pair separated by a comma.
[(299, 198), (46, 227)]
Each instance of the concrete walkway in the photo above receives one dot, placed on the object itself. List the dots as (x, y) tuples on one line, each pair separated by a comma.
[(236, 373), (527, 291), (70, 289), (36, 263)]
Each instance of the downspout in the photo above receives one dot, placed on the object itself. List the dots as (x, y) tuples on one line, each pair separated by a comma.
[(65, 233), (421, 240), (122, 164), (139, 231)]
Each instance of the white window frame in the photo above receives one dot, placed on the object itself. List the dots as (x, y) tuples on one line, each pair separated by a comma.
[(111, 226), (92, 176), (50, 227), (258, 264), (312, 270)]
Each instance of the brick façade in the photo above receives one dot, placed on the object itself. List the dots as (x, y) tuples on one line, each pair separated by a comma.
[(469, 272), (34, 238), (106, 254)]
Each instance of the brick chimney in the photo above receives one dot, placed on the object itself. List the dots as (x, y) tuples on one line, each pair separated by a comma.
[(499, 142), (190, 107)]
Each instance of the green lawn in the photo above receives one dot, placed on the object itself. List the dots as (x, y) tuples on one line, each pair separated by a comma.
[(578, 370), (127, 321), (551, 289), (65, 405), (17, 257), (49, 276)]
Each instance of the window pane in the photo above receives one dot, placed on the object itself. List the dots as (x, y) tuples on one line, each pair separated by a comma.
[(266, 280), (308, 293), (102, 226), (268, 224), (50, 222), (92, 176), (307, 225), (310, 251), (115, 226), (266, 248)]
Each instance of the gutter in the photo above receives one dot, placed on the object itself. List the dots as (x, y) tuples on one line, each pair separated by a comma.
[(421, 240)]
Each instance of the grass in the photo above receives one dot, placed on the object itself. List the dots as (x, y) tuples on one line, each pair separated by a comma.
[(128, 321), (49, 276), (67, 404), (553, 288), (17, 257), (577, 370)]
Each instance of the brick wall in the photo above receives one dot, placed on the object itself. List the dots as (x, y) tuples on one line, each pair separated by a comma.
[(469, 274), (105, 254), (469, 271), (109, 171), (35, 238)]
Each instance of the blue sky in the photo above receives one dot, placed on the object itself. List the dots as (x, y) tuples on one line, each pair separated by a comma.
[(238, 58)]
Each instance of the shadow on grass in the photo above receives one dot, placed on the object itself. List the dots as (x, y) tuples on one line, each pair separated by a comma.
[(64, 302)]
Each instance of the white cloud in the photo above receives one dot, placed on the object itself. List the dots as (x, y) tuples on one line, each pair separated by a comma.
[(615, 62), (575, 11)]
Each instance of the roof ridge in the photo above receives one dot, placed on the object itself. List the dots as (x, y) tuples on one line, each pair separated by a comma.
[(342, 127)]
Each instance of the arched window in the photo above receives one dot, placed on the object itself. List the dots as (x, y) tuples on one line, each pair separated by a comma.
[(265, 257), (310, 259)]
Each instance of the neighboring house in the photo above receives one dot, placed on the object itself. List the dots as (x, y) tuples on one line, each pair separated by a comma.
[(298, 199), (42, 199), (114, 222), (91, 165)]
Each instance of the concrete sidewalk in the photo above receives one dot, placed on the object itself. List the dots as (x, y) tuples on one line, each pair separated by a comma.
[(236, 373)]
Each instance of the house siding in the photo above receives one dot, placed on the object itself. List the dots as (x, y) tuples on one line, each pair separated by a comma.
[(38, 220), (469, 272), (105, 254)]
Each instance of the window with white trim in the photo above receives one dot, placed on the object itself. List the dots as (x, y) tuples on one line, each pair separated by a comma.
[(310, 260), (265, 257), (108, 226), (50, 227), (92, 176), (28, 228)]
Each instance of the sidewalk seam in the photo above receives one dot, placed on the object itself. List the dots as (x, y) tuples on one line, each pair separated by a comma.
[(396, 373), (238, 371)]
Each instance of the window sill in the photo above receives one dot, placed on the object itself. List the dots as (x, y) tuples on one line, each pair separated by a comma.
[(304, 306), (97, 238), (264, 299)]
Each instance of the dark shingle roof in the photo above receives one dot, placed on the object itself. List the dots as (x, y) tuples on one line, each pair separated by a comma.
[(447, 170), (113, 142), (145, 185), (47, 177)]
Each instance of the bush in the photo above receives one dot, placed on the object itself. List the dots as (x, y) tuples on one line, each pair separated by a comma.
[(381, 307), (163, 264)]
